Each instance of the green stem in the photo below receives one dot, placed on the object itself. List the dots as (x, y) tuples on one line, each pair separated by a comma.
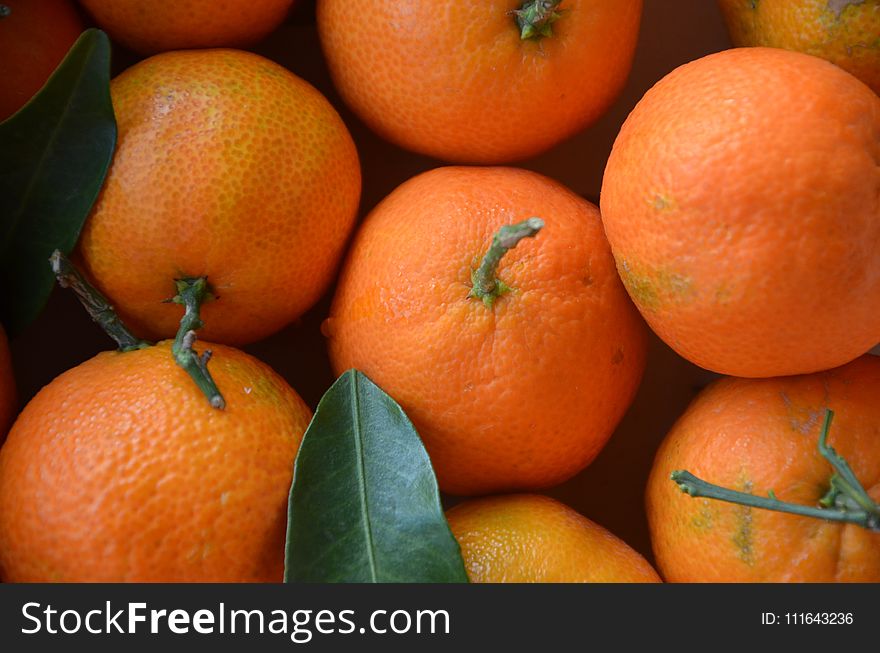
[(192, 293), (485, 286), (94, 302), (535, 19), (848, 502), (5, 11)]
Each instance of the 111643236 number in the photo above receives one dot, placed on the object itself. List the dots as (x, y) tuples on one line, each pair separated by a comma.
[(807, 618)]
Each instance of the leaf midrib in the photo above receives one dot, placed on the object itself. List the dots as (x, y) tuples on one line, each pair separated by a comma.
[(362, 478)]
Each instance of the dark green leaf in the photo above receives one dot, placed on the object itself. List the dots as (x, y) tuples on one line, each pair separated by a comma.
[(54, 154), (364, 505)]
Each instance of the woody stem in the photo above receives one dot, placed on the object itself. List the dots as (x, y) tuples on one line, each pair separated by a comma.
[(485, 284), (848, 500), (191, 293), (96, 305)]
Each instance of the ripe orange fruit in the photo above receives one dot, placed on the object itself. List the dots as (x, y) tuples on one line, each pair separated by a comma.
[(845, 32), (34, 37), (520, 394), (758, 435), (740, 200), (183, 24), (119, 470), (227, 166), (7, 386), (527, 538), (457, 81)]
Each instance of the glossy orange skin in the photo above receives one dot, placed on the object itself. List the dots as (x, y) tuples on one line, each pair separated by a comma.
[(757, 435), (528, 538), (745, 220), (120, 471), (454, 79), (229, 166), (845, 32), (161, 25), (8, 395), (34, 38), (519, 396)]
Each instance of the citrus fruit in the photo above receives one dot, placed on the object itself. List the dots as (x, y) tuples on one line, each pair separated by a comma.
[(458, 80), (34, 37), (160, 25), (227, 166), (758, 435), (7, 386), (845, 32), (744, 218), (514, 386), (119, 470), (527, 538)]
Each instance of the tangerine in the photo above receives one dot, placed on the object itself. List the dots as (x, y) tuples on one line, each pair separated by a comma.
[(119, 470)]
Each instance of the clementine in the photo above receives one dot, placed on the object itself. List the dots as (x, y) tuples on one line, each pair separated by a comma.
[(527, 538), (741, 203), (845, 32), (227, 166), (515, 370), (119, 470), (160, 25), (758, 436), (34, 37), (479, 82)]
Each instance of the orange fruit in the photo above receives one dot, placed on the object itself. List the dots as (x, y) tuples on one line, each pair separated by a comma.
[(758, 435), (34, 37), (227, 166), (845, 32), (520, 394), (119, 470), (743, 216), (7, 386), (161, 25), (457, 81), (527, 538)]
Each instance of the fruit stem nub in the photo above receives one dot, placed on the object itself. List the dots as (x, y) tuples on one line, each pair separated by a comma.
[(96, 305), (5, 11), (191, 292), (847, 501), (485, 286), (535, 19)]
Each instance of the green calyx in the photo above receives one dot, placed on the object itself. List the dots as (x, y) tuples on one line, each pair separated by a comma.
[(535, 19), (485, 285), (5, 11), (847, 501), (192, 293)]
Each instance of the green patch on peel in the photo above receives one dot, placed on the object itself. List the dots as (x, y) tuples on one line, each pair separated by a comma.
[(663, 202), (651, 289), (704, 520), (743, 537)]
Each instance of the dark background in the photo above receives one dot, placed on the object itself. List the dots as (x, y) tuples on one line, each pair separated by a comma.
[(610, 491)]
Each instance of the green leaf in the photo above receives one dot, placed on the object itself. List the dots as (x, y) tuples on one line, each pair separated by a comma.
[(54, 154), (364, 505)]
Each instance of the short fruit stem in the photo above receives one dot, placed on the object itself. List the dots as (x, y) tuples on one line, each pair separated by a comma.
[(5, 11), (847, 501), (94, 302), (192, 293), (485, 286), (535, 19)]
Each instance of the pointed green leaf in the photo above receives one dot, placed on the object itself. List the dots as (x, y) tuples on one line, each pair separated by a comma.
[(364, 505), (54, 154)]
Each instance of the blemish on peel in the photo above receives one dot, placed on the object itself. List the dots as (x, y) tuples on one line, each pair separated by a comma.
[(743, 537)]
